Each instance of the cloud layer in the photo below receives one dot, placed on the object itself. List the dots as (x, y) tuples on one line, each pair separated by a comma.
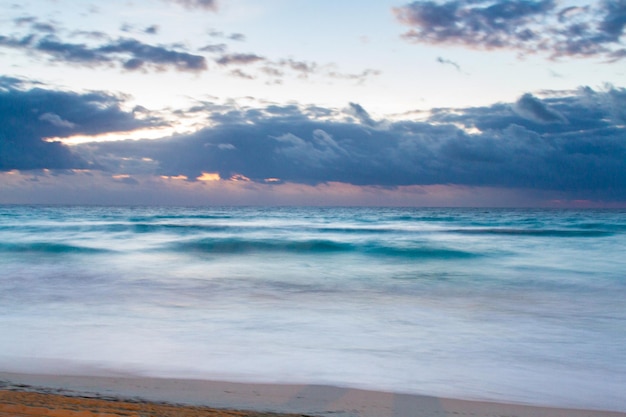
[(573, 143), (528, 26), (30, 115), (94, 49)]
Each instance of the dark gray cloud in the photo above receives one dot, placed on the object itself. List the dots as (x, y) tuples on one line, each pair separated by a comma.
[(240, 37), (239, 59), (197, 4), (35, 24), (143, 55), (152, 30), (534, 109), (570, 143), (16, 42), (482, 22), (613, 20), (361, 114), (219, 48), (28, 116), (448, 62), (529, 26), (7, 82), (69, 52), (131, 54), (44, 27), (100, 50), (129, 28)]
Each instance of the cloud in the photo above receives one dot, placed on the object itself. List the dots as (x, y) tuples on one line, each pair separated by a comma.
[(18, 43), (241, 74), (35, 24), (240, 37), (28, 116), (315, 152), (528, 26), (97, 49), (129, 53), (7, 82), (304, 68), (159, 57), (197, 4), (279, 69), (482, 22), (569, 143), (152, 30), (613, 20), (449, 62), (361, 114), (308, 69), (56, 120), (220, 48), (239, 59), (534, 109), (360, 78)]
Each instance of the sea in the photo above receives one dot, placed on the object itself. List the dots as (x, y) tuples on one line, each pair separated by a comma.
[(516, 305)]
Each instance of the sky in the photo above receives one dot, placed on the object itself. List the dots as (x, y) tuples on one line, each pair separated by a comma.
[(486, 103)]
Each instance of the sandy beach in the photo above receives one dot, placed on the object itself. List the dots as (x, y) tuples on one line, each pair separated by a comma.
[(23, 395)]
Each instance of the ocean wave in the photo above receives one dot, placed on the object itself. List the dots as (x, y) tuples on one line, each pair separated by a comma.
[(424, 253), (423, 218), (176, 228), (197, 216), (534, 232), (48, 247), (236, 245), (136, 228), (357, 230), (316, 246)]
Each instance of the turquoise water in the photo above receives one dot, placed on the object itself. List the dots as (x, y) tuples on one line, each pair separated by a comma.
[(515, 305)]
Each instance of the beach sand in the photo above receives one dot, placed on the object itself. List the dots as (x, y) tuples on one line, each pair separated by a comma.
[(26, 395)]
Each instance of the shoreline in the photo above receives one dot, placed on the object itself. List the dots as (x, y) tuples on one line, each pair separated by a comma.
[(228, 397)]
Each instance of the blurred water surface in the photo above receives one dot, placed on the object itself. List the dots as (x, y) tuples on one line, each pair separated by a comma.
[(514, 305)]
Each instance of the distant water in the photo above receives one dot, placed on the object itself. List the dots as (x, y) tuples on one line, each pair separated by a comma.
[(515, 305)]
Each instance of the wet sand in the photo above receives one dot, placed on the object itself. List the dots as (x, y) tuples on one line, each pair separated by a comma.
[(31, 404), (25, 395)]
